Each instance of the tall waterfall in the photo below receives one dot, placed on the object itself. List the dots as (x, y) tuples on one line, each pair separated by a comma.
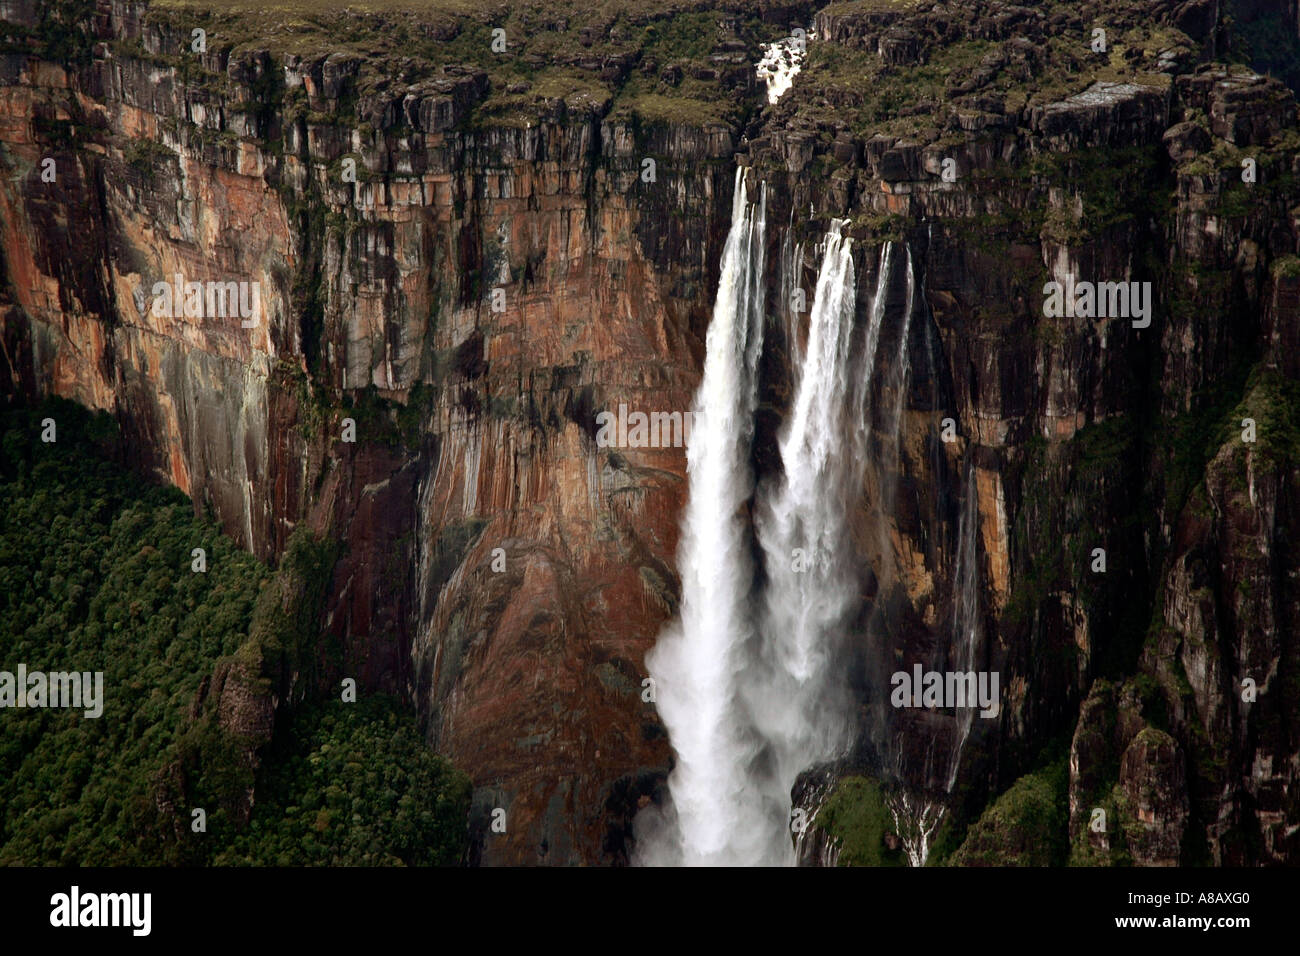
[(749, 691), (794, 689), (717, 816)]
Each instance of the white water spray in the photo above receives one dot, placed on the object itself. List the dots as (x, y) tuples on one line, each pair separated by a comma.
[(781, 63), (717, 816), (751, 701), (799, 705)]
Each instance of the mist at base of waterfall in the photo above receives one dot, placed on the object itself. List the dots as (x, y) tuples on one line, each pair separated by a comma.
[(750, 684)]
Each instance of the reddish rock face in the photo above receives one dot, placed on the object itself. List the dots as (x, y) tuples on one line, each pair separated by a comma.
[(499, 568), (488, 284)]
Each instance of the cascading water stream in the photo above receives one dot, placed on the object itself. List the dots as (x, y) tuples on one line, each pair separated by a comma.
[(752, 692), (865, 376), (796, 694), (902, 362), (716, 815), (750, 703)]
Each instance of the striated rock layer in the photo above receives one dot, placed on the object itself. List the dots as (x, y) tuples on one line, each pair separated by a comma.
[(504, 266), (499, 569)]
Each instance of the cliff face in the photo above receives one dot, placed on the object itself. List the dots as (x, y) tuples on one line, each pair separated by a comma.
[(1076, 433), (504, 265), (470, 303)]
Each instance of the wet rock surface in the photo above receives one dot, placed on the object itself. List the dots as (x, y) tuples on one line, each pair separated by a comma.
[(476, 424)]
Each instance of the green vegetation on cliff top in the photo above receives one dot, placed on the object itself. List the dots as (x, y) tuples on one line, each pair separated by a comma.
[(659, 60)]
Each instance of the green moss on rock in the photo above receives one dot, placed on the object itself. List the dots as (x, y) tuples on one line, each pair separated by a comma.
[(1026, 826), (856, 817)]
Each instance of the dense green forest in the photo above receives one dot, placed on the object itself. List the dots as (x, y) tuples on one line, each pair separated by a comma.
[(96, 575)]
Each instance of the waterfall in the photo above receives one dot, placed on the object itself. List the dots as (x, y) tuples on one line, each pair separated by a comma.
[(916, 820), (716, 816), (753, 692), (865, 375), (814, 846), (877, 410), (902, 361), (749, 693), (792, 254), (796, 694)]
